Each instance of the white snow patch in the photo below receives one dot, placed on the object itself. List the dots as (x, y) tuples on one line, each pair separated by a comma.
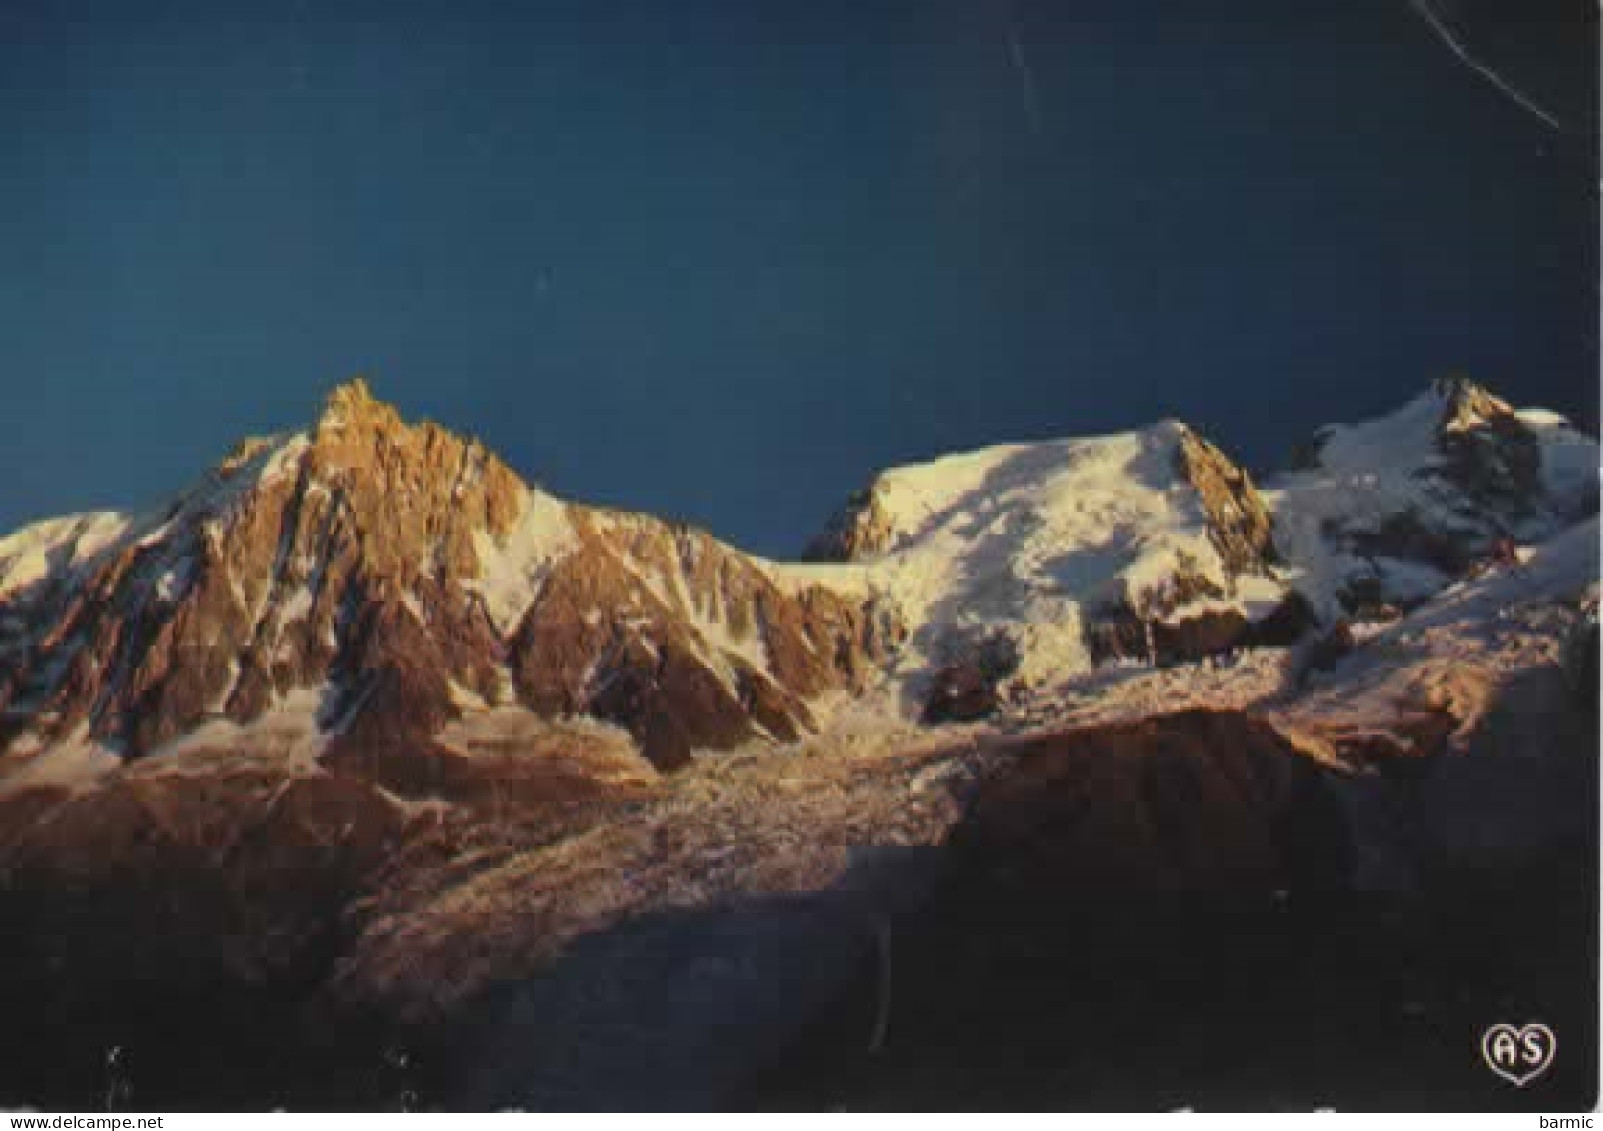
[(286, 735), (217, 492), (61, 545), (173, 582), (55, 545), (849, 579), (1402, 439), (1569, 460), (415, 607), (512, 571), (296, 607), (1560, 568), (75, 762), (465, 698), (717, 633)]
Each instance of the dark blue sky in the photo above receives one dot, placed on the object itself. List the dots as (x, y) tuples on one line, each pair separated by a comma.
[(722, 261)]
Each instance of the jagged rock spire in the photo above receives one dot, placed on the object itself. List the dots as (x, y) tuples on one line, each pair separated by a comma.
[(352, 403), (1467, 404)]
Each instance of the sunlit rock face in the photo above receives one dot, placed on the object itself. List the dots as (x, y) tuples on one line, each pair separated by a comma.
[(403, 571), (859, 530)]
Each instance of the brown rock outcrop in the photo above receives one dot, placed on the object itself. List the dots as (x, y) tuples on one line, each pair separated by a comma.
[(1238, 521), (859, 530), (961, 693), (1490, 455), (1155, 625), (1194, 801)]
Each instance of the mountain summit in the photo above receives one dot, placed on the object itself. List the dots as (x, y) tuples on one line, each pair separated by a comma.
[(1060, 553), (1392, 509), (363, 728), (394, 573), (387, 580)]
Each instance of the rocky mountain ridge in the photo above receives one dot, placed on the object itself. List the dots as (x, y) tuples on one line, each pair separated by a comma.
[(363, 746), (400, 572), (402, 578), (1155, 547)]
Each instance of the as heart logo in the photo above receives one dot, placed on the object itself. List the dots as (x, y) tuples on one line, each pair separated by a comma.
[(1519, 1055)]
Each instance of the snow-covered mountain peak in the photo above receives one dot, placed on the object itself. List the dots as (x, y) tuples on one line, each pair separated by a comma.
[(1152, 543), (1057, 553), (1387, 511), (1459, 432)]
